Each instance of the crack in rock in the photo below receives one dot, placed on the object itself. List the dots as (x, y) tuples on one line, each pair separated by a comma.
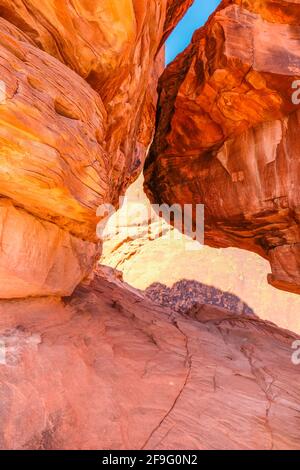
[(188, 361)]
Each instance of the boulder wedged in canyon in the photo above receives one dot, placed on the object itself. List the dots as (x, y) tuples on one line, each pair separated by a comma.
[(227, 133), (70, 72), (175, 11), (108, 369)]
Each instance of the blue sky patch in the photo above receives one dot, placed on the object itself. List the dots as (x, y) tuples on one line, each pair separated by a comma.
[(193, 19)]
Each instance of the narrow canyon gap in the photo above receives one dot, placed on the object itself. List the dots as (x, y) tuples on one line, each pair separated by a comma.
[(88, 361)]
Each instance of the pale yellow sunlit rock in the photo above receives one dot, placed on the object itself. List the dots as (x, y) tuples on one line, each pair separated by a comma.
[(147, 258)]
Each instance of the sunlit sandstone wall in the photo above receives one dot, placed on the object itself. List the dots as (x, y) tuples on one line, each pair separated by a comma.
[(228, 132), (77, 119), (148, 254)]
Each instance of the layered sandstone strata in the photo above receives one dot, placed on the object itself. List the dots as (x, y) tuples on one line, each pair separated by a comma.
[(54, 171), (105, 368), (78, 96), (227, 132)]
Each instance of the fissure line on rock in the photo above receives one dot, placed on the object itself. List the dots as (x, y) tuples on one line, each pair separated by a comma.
[(188, 361), (248, 353)]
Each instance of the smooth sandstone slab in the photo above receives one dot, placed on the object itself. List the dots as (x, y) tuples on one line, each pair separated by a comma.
[(108, 369), (112, 44), (51, 138), (37, 258)]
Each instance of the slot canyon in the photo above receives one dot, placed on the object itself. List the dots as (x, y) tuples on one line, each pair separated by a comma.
[(133, 339)]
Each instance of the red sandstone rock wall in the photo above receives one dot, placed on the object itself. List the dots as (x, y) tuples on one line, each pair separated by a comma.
[(112, 44), (75, 125), (150, 253), (227, 133), (107, 369)]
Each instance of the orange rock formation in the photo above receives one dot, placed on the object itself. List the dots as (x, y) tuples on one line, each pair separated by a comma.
[(88, 362), (227, 133), (71, 140)]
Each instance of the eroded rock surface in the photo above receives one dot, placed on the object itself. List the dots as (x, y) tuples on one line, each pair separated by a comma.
[(107, 369), (38, 258), (104, 368), (78, 97), (53, 161), (227, 133), (112, 44), (54, 171)]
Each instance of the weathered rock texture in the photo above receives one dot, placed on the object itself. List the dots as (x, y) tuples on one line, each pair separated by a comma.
[(175, 11), (192, 296), (105, 368), (227, 133), (111, 370), (77, 116), (112, 44)]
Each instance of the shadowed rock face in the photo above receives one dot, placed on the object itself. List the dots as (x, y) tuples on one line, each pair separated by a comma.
[(108, 369), (227, 132), (187, 296), (77, 118), (175, 11)]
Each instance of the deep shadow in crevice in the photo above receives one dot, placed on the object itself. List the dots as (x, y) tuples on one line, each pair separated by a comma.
[(188, 297)]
